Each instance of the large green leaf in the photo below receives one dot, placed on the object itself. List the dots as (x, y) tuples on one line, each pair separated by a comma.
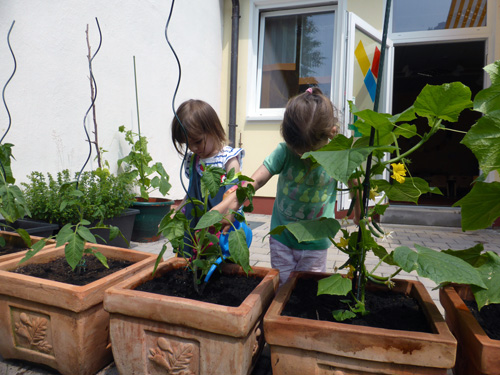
[(74, 250), (335, 284), (493, 70), (238, 249), (85, 233), (471, 255), (338, 159), (209, 219), (310, 230), (481, 206), (490, 273), (437, 266), (483, 139), (211, 180), (445, 101), (488, 265), (487, 101), (408, 191), (64, 235)]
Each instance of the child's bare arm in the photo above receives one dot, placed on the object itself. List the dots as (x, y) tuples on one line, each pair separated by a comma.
[(233, 163)]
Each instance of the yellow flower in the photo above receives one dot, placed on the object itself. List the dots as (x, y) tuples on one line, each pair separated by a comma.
[(343, 243), (374, 193), (350, 272), (399, 172)]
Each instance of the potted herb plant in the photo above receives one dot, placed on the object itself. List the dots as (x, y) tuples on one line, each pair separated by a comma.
[(206, 327), (471, 312), (304, 345), (106, 199), (139, 168)]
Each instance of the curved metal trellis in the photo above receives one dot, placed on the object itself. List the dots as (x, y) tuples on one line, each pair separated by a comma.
[(3, 94), (91, 104)]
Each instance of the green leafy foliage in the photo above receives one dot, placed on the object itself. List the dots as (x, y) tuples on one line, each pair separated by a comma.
[(12, 202), (101, 196), (199, 245), (437, 266), (79, 206), (139, 168)]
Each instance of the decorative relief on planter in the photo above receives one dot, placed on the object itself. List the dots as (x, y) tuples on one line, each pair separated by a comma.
[(257, 339), (169, 355), (32, 330)]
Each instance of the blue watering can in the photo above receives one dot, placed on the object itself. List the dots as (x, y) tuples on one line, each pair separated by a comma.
[(224, 244)]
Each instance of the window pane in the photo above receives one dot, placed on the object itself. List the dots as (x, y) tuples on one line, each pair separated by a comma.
[(297, 54), (422, 15)]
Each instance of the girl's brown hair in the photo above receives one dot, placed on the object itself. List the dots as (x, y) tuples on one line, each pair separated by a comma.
[(198, 118), (308, 121)]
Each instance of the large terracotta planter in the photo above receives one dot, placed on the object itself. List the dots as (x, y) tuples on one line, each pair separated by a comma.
[(476, 352), (13, 239), (149, 330), (303, 346), (56, 324)]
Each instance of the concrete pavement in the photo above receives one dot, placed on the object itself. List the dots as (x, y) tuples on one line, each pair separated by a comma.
[(440, 238)]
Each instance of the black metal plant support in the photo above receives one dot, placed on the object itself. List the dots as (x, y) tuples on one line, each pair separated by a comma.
[(3, 95), (366, 181), (92, 104), (173, 103)]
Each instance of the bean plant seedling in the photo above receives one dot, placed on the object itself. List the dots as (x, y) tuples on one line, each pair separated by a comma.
[(199, 245)]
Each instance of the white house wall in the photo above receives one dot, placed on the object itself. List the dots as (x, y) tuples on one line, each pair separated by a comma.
[(50, 93)]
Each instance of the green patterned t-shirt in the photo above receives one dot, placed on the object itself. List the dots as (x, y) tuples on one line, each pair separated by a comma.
[(305, 191)]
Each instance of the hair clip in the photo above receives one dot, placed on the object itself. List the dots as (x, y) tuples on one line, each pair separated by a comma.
[(309, 90)]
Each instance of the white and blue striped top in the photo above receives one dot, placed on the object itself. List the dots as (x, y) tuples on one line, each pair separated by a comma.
[(220, 160)]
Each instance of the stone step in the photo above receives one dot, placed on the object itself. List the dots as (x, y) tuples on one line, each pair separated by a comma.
[(422, 215)]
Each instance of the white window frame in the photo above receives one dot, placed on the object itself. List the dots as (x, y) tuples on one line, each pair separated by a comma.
[(254, 74)]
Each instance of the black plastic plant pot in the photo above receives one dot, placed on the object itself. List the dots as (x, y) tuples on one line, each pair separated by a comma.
[(33, 227), (124, 222)]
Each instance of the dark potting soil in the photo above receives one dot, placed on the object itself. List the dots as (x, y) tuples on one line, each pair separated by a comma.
[(387, 309), (11, 249), (221, 289), (59, 270), (488, 318)]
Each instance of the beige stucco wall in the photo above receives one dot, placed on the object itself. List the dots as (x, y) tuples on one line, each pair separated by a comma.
[(372, 11)]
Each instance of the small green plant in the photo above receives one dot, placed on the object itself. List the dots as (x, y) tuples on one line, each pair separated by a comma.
[(138, 168), (104, 196), (345, 159), (199, 246), (79, 208)]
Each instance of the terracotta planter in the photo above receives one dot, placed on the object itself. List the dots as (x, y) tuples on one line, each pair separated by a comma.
[(476, 352), (303, 346), (210, 339), (13, 239), (56, 324)]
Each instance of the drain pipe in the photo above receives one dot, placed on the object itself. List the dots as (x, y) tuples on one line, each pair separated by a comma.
[(233, 83)]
